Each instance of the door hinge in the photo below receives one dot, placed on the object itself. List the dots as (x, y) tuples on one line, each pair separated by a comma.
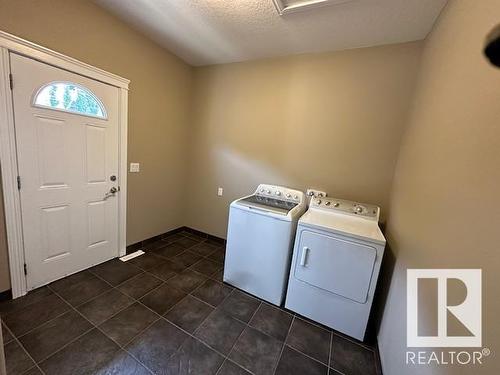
[(11, 81), (25, 269), (18, 182)]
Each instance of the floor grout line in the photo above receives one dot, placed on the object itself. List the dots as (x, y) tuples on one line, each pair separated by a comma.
[(41, 325), (167, 242), (334, 332), (67, 302), (203, 283), (73, 308), (125, 350), (244, 329), (284, 344), (123, 347), (4, 314), (4, 326), (278, 307), (309, 321), (136, 276), (94, 326), (330, 352), (189, 248), (200, 300), (141, 331), (307, 355), (220, 367), (192, 335), (152, 290), (213, 311), (226, 357), (15, 339), (361, 344), (162, 317), (236, 364)]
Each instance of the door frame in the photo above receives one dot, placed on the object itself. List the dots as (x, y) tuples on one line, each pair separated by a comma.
[(8, 153)]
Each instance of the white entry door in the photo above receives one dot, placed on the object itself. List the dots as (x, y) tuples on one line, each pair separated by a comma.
[(68, 159)]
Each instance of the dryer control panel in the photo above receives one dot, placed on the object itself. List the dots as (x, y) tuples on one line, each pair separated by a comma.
[(368, 211)]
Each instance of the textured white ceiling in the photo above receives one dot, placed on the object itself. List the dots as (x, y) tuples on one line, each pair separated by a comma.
[(204, 32)]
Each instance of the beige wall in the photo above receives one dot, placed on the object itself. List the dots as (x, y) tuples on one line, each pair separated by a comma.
[(445, 206), (331, 121), (158, 101)]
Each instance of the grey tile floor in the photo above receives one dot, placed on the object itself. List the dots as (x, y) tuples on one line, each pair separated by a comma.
[(167, 312)]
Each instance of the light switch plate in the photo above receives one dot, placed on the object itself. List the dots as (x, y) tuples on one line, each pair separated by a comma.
[(220, 191), (135, 167)]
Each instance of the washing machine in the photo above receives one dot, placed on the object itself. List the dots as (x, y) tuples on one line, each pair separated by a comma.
[(335, 265), (260, 237)]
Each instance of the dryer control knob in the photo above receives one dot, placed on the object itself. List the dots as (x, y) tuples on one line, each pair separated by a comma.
[(289, 195), (359, 209), (278, 193), (318, 201), (269, 192), (328, 203)]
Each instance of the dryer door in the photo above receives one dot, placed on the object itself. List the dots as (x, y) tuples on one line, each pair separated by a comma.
[(336, 265)]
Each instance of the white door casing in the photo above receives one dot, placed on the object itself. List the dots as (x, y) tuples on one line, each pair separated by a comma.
[(65, 161), (8, 154)]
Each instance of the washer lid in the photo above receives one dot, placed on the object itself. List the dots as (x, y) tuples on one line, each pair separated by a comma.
[(278, 206), (348, 225)]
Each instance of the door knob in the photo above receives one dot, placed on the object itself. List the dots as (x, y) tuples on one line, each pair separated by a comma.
[(110, 193)]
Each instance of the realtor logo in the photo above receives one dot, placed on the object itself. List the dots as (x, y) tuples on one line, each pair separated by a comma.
[(464, 312)]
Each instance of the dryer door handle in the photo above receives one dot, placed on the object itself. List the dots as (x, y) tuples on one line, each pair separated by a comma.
[(303, 257)]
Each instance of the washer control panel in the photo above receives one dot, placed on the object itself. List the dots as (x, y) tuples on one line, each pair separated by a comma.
[(280, 192), (368, 211)]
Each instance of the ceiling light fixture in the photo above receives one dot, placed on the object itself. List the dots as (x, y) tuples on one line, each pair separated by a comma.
[(290, 6)]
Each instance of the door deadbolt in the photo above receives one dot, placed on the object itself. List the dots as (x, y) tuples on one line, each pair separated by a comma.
[(112, 178)]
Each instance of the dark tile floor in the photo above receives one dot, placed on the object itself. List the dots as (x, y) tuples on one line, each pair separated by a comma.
[(167, 312)]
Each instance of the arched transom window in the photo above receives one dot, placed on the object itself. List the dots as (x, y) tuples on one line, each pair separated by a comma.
[(69, 97)]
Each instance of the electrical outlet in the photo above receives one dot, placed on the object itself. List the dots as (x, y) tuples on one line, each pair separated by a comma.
[(316, 193), (135, 167), (220, 191)]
